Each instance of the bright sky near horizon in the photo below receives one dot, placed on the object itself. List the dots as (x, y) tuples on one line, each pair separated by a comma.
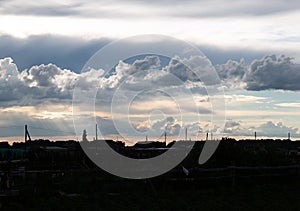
[(239, 37)]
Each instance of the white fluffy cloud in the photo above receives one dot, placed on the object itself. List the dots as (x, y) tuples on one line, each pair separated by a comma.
[(44, 84), (236, 128), (276, 129), (168, 125), (148, 72), (48, 84), (39, 83), (171, 126), (267, 129)]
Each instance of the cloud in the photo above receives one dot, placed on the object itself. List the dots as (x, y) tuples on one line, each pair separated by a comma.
[(170, 125), (289, 105), (165, 8), (64, 51), (49, 8), (218, 8), (195, 128), (140, 73), (147, 73), (232, 73), (273, 73), (47, 84), (276, 129), (232, 69), (178, 69), (8, 78), (50, 82), (144, 86), (267, 129), (39, 83), (43, 120), (240, 100), (235, 128), (270, 72), (173, 127), (72, 52)]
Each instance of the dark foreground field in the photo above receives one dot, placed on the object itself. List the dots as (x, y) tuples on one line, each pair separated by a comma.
[(93, 194), (245, 175)]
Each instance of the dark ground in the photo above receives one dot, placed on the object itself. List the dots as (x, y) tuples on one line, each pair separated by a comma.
[(141, 195), (245, 175)]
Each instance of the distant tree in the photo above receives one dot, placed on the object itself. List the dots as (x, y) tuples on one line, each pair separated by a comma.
[(84, 136)]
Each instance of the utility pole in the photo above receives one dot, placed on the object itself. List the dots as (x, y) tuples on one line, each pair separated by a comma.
[(96, 132), (27, 135), (186, 134)]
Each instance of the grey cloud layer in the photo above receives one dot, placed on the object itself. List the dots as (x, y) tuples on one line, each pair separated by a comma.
[(72, 53), (111, 9), (65, 52)]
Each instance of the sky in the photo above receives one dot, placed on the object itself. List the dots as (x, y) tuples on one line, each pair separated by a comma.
[(253, 46)]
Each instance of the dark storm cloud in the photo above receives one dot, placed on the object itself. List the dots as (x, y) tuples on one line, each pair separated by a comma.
[(66, 52), (273, 73), (270, 72), (221, 55)]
